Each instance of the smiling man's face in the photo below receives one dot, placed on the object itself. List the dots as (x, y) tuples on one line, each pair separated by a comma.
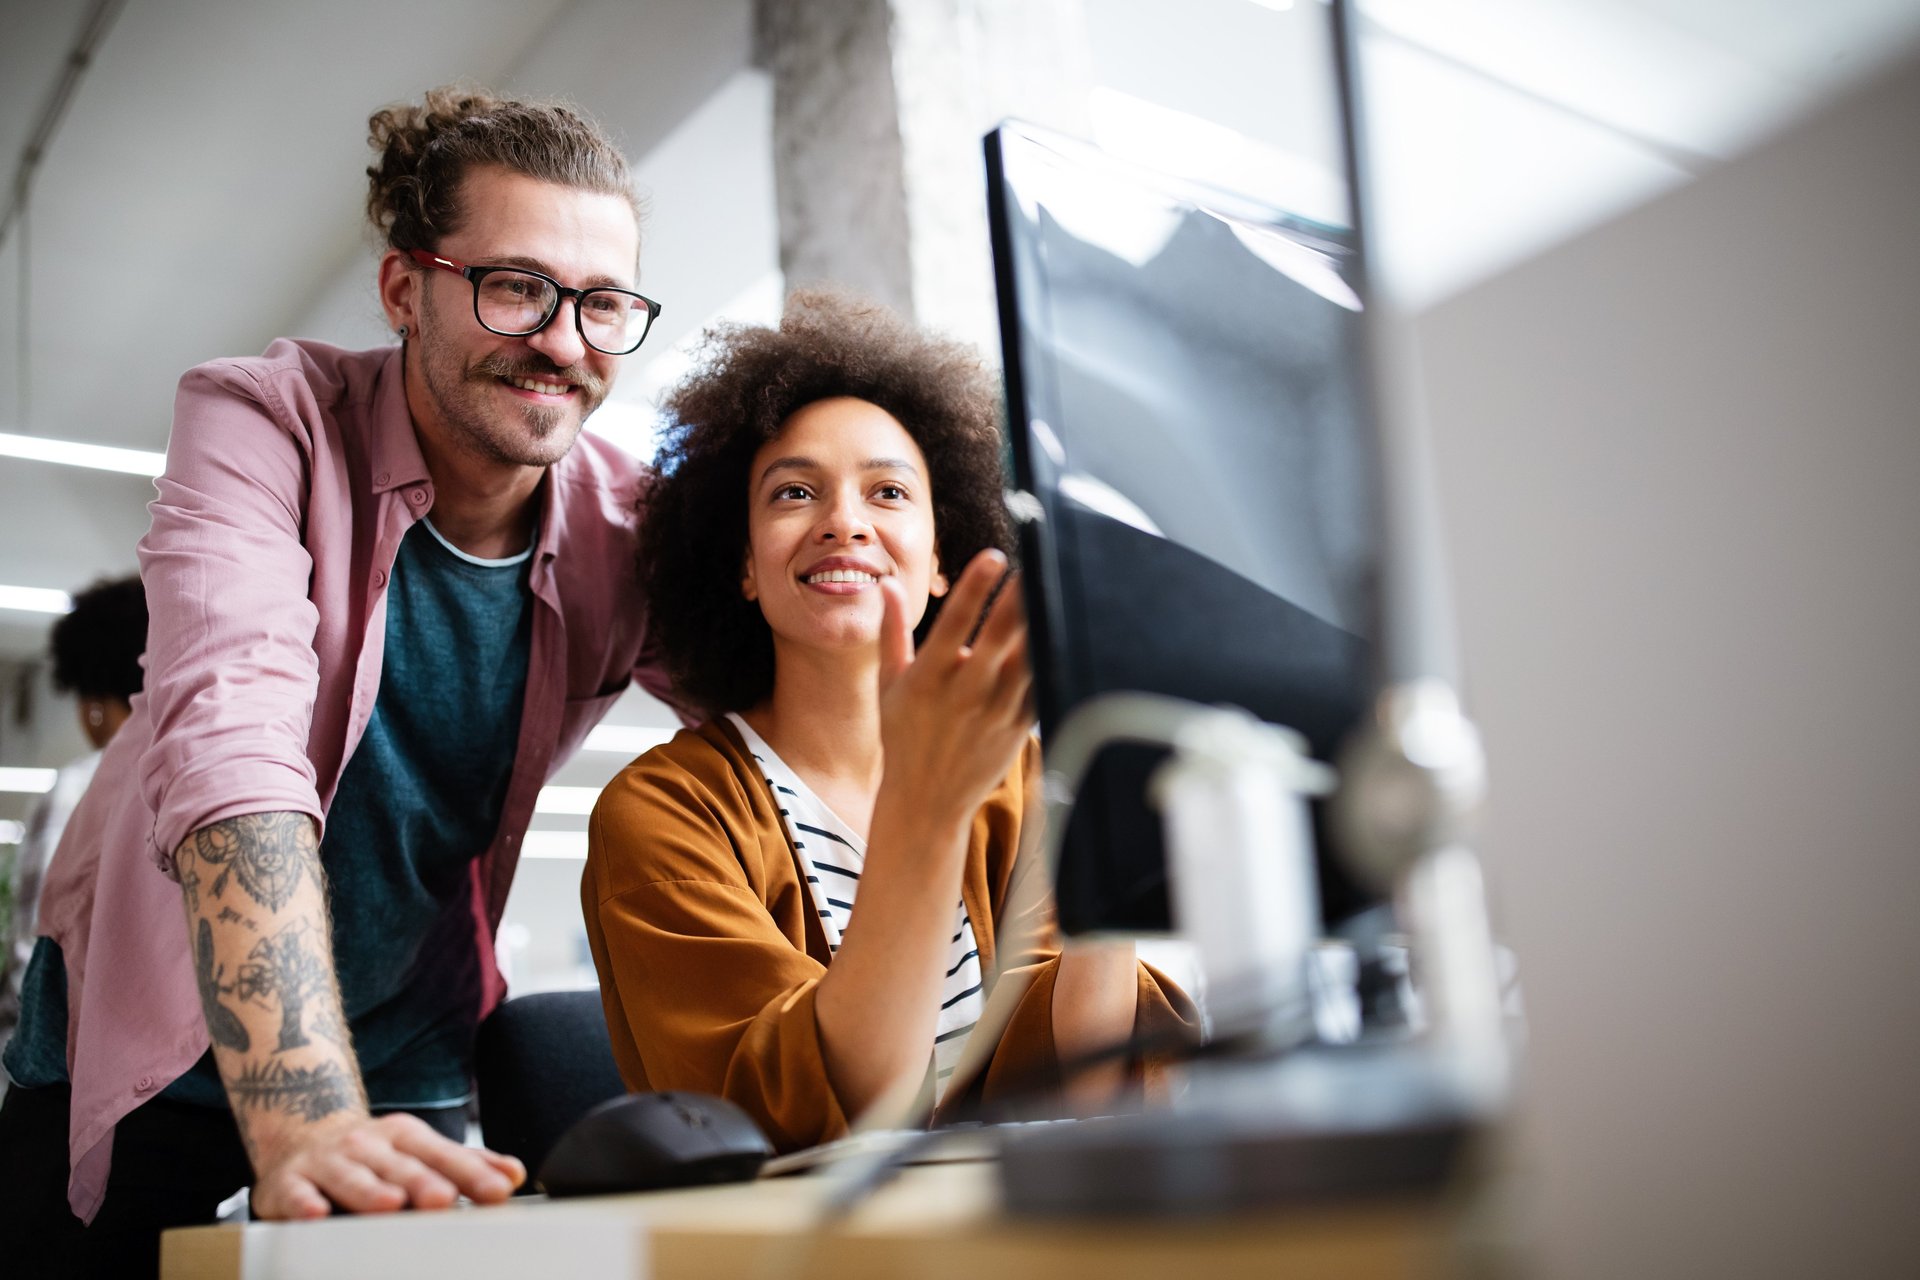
[(516, 401)]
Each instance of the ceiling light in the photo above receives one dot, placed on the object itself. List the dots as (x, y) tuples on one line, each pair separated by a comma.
[(564, 846), (72, 453), (576, 800), (35, 600), (36, 782), (625, 739)]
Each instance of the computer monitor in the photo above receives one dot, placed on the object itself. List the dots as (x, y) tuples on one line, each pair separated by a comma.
[(1195, 454)]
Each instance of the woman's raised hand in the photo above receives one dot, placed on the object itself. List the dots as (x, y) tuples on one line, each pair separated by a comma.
[(955, 716)]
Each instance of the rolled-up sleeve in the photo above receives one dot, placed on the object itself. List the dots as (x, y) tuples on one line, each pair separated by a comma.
[(1025, 1064), (1025, 1061), (711, 991), (231, 668)]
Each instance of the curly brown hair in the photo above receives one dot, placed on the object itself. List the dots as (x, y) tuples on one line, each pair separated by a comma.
[(426, 150), (749, 380)]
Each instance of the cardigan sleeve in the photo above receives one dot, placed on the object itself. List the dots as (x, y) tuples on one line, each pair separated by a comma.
[(710, 982), (1026, 1064), (1025, 1061)]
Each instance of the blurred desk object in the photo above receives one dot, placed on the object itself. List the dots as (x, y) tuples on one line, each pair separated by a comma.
[(936, 1221)]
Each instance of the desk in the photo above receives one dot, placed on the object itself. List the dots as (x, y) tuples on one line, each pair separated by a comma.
[(936, 1221)]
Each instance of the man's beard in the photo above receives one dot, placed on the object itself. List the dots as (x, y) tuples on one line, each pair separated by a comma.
[(542, 433)]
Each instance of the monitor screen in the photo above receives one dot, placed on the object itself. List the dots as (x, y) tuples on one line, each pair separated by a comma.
[(1194, 449)]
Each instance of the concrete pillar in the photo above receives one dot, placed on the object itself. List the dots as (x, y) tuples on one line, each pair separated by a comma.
[(879, 107)]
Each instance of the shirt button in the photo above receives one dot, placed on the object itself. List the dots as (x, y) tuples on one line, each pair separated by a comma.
[(379, 577), (382, 478), (145, 1085), (417, 497)]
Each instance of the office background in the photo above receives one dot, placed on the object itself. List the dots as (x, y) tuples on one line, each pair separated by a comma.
[(1645, 260)]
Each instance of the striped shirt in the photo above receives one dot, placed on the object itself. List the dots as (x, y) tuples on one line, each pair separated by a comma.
[(832, 858)]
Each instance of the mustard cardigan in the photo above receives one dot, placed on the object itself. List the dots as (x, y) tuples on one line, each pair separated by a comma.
[(709, 951)]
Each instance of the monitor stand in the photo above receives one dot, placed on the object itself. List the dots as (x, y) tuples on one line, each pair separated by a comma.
[(1288, 1120)]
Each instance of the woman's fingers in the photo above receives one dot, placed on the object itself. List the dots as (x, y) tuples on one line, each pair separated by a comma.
[(896, 634), (1006, 621), (962, 607), (1013, 683)]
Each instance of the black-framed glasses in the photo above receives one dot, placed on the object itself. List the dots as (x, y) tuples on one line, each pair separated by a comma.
[(515, 302)]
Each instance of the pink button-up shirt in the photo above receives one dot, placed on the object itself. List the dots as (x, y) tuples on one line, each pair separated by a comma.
[(290, 481)]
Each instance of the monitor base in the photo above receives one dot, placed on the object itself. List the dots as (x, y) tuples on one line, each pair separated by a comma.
[(1324, 1124)]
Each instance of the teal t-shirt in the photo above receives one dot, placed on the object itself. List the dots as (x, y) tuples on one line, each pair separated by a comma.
[(418, 801)]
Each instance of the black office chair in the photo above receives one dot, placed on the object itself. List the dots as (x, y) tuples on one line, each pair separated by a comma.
[(541, 1062)]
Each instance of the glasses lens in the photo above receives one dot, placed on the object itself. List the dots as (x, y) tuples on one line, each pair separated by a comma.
[(613, 320), (514, 301)]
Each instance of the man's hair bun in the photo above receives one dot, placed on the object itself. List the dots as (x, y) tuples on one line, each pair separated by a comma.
[(424, 151)]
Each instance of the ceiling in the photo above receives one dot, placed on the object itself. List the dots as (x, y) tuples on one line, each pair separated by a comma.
[(203, 192)]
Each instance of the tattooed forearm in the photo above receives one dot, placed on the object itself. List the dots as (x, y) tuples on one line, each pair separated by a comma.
[(287, 970), (263, 953), (223, 1027), (270, 854), (312, 1093)]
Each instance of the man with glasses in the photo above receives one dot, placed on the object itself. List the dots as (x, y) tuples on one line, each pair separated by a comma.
[(391, 591)]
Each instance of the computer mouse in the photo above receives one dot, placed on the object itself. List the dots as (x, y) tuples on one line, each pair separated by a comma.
[(647, 1141)]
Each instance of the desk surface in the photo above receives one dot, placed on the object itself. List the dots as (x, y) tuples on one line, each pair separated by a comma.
[(936, 1221)]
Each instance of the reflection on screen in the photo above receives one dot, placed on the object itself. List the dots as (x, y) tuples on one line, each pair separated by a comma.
[(1193, 418)]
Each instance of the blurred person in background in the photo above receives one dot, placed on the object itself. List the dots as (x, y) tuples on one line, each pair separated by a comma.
[(391, 591), (96, 652)]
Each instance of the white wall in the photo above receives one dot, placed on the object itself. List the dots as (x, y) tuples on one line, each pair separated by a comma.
[(1678, 463)]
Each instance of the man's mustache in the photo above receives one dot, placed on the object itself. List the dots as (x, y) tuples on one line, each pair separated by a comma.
[(499, 366)]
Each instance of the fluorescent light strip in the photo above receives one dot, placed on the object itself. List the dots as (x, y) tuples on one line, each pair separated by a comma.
[(625, 739), (561, 846), (72, 453), (32, 781), (569, 800), (35, 600)]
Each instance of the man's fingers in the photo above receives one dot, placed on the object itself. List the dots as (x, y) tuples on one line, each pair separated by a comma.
[(509, 1166), (288, 1196), (425, 1188), (476, 1176), (352, 1186)]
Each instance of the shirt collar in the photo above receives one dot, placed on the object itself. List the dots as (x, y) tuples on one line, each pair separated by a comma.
[(551, 497), (398, 462), (395, 450)]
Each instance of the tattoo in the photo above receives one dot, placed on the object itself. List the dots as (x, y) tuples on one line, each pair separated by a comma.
[(269, 853), (311, 1093), (189, 884), (228, 913), (223, 1026), (285, 968)]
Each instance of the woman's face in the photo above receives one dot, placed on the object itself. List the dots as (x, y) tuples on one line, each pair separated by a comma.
[(835, 502)]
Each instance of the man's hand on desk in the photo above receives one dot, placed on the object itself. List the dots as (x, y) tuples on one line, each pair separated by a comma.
[(263, 954), (364, 1164)]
